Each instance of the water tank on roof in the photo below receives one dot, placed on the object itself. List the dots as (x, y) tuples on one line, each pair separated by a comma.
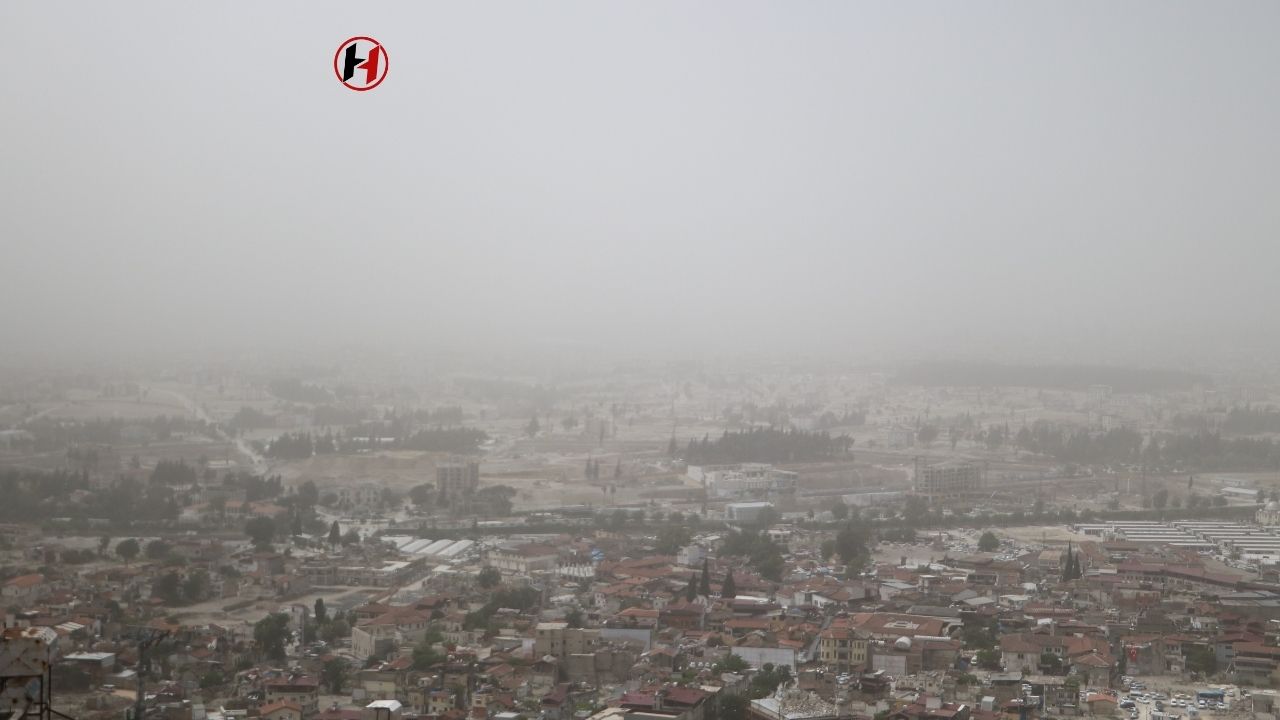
[(902, 643)]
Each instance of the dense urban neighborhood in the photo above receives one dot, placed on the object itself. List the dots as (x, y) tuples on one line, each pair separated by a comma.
[(294, 551), (640, 360)]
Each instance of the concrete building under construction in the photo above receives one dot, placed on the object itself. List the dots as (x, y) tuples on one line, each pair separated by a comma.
[(457, 478), (950, 479)]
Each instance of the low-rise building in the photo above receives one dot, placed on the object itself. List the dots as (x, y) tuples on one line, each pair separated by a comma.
[(300, 690)]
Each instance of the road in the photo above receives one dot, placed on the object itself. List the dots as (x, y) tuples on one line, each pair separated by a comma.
[(258, 461)]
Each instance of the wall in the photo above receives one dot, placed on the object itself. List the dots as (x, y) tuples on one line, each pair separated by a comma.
[(758, 656)]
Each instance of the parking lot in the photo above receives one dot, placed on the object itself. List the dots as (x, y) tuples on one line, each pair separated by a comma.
[(1157, 700)]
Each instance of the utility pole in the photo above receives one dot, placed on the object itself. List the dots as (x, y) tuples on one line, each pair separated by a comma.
[(147, 639), (1144, 485)]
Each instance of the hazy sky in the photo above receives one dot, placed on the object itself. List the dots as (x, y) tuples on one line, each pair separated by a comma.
[(1049, 179)]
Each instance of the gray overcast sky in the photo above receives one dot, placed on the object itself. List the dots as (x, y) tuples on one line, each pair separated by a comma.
[(1090, 180)]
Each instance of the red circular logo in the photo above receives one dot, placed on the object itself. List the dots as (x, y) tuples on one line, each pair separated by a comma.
[(360, 63)]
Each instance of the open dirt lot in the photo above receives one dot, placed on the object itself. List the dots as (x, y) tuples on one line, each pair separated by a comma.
[(339, 598), (1049, 534)]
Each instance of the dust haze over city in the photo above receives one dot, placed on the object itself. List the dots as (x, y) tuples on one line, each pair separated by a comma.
[(578, 361)]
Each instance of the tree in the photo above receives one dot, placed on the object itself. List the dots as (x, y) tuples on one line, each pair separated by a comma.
[(671, 538), (425, 656), (828, 548), (766, 681), (351, 537), (733, 707), (335, 630), (979, 633), (127, 549), (691, 590), (308, 494), (732, 664), (335, 533), (729, 589), (211, 679), (761, 551), (105, 541), (489, 577), (574, 618), (1071, 684), (320, 612), (168, 587), (1160, 499), (533, 427), (157, 549), (988, 659), (840, 511), (916, 510), (270, 634), (421, 494), (767, 518), (704, 583), (334, 675), (260, 530), (1071, 568), (195, 586), (851, 545), (988, 542)]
